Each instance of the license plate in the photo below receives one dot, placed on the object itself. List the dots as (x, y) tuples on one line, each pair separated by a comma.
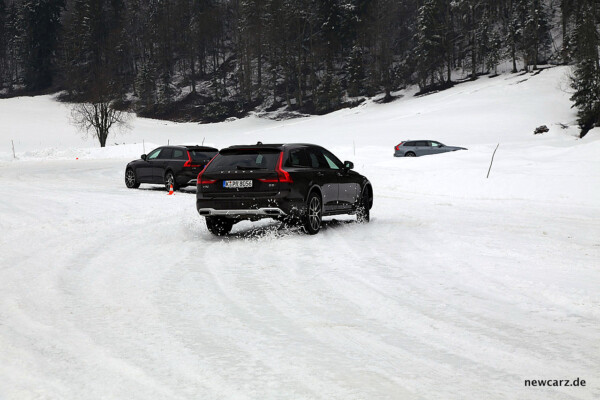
[(237, 184)]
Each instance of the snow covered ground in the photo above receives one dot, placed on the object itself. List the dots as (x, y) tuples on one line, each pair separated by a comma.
[(461, 287)]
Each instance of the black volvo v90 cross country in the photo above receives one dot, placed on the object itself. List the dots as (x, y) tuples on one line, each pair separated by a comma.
[(297, 183), (169, 165)]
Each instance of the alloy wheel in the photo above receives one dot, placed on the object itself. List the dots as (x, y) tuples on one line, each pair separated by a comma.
[(170, 180), (314, 213), (130, 178)]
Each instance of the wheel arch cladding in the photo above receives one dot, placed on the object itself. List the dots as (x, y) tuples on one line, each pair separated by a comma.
[(314, 189)]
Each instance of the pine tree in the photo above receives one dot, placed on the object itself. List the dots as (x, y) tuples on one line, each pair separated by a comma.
[(247, 44), (585, 80), (489, 40), (183, 41), (14, 46), (3, 40), (77, 47), (514, 23), (472, 26), (145, 84), (355, 72), (42, 22), (567, 7), (429, 48), (482, 38), (328, 96), (495, 51), (536, 37)]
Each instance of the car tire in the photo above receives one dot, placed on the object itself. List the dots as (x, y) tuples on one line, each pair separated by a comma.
[(363, 213), (219, 226), (314, 214), (410, 154), (130, 179), (170, 180)]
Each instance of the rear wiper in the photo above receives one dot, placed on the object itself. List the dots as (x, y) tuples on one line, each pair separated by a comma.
[(248, 168)]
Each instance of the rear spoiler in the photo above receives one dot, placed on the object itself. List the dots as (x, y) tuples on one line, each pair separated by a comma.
[(201, 148), (243, 149)]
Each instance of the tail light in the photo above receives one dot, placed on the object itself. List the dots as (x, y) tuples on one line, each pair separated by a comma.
[(398, 146), (188, 163), (199, 179), (282, 175)]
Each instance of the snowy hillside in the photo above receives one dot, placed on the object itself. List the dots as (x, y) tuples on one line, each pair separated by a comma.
[(461, 287)]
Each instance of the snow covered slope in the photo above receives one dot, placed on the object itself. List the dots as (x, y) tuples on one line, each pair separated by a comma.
[(503, 109), (461, 287)]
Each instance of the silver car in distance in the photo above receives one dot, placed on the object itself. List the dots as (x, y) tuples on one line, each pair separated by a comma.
[(416, 148)]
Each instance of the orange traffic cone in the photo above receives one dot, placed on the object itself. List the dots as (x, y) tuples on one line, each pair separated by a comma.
[(171, 190)]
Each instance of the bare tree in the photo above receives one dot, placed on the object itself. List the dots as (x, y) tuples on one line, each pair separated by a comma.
[(98, 118)]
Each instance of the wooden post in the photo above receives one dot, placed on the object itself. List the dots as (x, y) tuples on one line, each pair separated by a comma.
[(13, 147), (491, 162)]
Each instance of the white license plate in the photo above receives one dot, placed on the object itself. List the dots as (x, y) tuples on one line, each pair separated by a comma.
[(237, 184)]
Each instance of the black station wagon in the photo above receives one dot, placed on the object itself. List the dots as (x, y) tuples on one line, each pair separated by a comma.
[(169, 165), (296, 183)]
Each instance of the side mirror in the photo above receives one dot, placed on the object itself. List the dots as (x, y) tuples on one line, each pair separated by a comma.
[(143, 157), (348, 165)]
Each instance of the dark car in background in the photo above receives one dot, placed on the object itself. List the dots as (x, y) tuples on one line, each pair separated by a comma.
[(416, 148), (169, 165), (295, 183)]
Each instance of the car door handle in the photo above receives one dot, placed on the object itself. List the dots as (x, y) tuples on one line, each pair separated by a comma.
[(320, 174)]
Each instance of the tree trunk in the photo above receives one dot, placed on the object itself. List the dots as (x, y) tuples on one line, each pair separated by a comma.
[(193, 73), (449, 40), (103, 124), (248, 75), (388, 94), (299, 97), (513, 54), (259, 54), (103, 136), (564, 16), (473, 45)]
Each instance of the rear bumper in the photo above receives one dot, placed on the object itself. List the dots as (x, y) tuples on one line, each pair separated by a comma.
[(186, 178), (249, 208), (264, 212)]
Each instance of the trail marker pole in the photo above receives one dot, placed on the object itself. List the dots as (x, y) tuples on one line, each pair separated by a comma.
[(144, 146), (203, 140), (354, 147), (491, 162), (13, 147)]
